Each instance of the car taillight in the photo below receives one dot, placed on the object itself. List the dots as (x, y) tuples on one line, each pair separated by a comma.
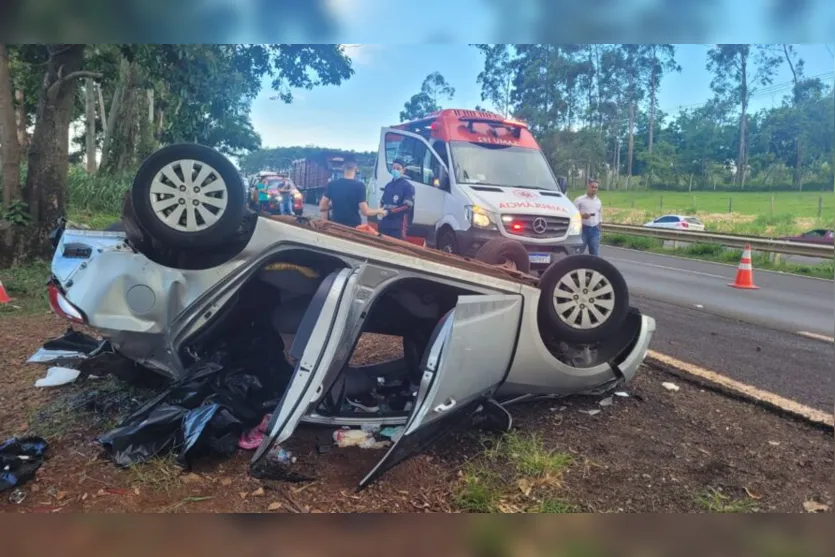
[(62, 307)]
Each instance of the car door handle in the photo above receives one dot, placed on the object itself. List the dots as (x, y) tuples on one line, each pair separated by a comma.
[(445, 406)]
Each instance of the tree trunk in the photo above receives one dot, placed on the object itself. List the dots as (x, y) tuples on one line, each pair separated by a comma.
[(20, 117), (631, 143), (9, 147), (90, 115), (125, 120), (740, 172), (102, 109), (651, 110), (46, 180)]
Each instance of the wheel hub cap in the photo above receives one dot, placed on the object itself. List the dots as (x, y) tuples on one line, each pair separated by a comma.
[(584, 299), (188, 195)]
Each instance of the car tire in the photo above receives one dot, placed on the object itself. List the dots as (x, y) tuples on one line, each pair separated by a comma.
[(447, 242), (196, 211), (571, 287), (500, 251)]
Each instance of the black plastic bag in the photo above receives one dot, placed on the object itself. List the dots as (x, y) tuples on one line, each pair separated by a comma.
[(142, 439), (73, 341), (210, 428), (20, 459)]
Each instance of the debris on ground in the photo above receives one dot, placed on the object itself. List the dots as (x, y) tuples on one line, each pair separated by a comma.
[(252, 439), (623, 394), (815, 507), (670, 386), (20, 459), (593, 412), (357, 438), (393, 433), (606, 401), (17, 496), (206, 412), (58, 376)]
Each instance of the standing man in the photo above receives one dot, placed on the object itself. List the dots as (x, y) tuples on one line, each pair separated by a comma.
[(263, 195), (346, 198), (397, 203), (286, 191), (591, 210)]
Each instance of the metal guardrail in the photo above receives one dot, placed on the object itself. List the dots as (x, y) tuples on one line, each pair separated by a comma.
[(729, 240)]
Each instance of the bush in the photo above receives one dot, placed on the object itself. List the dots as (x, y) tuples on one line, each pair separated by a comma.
[(97, 193), (713, 250)]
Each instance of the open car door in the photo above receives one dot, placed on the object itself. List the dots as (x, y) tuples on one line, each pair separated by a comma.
[(468, 357), (314, 347)]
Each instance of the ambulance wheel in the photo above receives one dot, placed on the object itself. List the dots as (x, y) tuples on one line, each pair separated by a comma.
[(505, 252), (447, 242), (188, 196), (584, 299)]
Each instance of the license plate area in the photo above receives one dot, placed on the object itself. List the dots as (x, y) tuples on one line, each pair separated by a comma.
[(540, 258)]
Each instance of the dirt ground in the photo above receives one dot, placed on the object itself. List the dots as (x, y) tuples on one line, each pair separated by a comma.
[(656, 450)]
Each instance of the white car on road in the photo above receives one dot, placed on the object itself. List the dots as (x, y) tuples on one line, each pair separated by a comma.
[(677, 222)]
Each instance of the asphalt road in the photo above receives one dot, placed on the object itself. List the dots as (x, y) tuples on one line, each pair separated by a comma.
[(750, 336), (785, 302)]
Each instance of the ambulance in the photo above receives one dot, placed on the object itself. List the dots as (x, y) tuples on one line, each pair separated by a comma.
[(479, 176)]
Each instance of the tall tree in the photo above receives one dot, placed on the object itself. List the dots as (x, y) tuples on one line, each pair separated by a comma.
[(662, 58), (434, 89), (737, 71), (496, 79), (9, 144), (637, 66)]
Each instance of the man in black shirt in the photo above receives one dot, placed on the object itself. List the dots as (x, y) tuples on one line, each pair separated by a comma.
[(345, 197)]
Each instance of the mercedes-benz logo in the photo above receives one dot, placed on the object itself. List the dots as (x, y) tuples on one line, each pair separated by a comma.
[(540, 225)]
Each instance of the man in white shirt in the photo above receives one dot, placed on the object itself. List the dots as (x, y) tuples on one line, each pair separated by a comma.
[(591, 210)]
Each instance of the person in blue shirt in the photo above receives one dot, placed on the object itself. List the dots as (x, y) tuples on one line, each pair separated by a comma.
[(397, 203)]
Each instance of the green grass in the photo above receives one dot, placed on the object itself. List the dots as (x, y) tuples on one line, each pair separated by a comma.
[(530, 457), (160, 474), (26, 285), (714, 501), (97, 194), (493, 481), (717, 254), (798, 204)]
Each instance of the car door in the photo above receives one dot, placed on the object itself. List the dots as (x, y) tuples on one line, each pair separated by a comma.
[(467, 359), (314, 347), (423, 166)]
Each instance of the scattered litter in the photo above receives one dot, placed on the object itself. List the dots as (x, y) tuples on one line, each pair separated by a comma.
[(275, 506), (524, 486), (670, 387), (44, 356), (815, 507), (606, 402), (57, 376), (17, 496), (752, 495), (591, 412), (19, 460), (281, 456), (774, 443), (370, 428), (72, 341), (258, 492), (393, 433), (357, 438), (623, 394)]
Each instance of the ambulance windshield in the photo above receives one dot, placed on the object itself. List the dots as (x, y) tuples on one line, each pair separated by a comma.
[(500, 165)]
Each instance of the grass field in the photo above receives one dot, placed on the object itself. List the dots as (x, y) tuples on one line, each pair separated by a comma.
[(739, 213)]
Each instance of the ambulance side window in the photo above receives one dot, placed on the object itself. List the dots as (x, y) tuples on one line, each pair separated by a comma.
[(421, 165)]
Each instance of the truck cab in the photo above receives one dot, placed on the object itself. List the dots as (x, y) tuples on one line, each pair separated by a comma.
[(479, 176)]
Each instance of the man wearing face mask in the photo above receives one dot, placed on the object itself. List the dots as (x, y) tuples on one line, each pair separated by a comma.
[(397, 203)]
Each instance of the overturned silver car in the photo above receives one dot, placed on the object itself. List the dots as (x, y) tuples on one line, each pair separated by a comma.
[(194, 263)]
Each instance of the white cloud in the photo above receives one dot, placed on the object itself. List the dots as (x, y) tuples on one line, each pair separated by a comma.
[(362, 54)]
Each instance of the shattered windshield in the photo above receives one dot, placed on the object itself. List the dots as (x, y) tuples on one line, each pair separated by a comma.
[(499, 165)]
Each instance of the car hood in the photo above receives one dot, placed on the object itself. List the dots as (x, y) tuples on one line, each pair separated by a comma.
[(521, 200)]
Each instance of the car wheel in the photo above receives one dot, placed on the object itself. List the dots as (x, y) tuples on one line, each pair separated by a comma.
[(447, 242), (188, 196), (505, 252), (584, 299)]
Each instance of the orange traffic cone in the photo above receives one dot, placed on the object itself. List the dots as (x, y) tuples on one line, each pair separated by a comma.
[(4, 296), (745, 273)]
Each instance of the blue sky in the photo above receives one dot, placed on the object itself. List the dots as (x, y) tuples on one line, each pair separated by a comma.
[(387, 75)]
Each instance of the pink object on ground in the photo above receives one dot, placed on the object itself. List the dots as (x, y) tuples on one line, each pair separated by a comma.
[(252, 439)]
